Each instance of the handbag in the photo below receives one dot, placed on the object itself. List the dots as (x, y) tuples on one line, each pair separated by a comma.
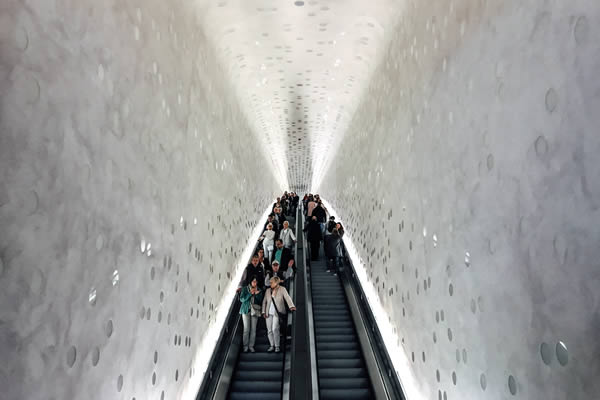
[(255, 309)]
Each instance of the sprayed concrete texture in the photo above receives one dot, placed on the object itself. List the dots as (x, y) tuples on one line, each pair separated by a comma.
[(470, 183), (130, 183)]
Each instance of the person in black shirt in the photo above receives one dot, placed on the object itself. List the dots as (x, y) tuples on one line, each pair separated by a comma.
[(252, 269), (314, 236)]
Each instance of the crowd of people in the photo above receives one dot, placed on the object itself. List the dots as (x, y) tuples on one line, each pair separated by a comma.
[(263, 288), (320, 229), (263, 291)]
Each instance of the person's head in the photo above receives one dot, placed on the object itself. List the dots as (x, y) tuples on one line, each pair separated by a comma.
[(270, 227), (332, 218), (279, 243), (253, 281), (255, 260), (286, 224), (274, 282), (275, 266), (271, 216), (338, 226), (261, 254)]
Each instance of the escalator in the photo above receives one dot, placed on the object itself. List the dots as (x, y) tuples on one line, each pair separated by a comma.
[(332, 348), (341, 367), (260, 375)]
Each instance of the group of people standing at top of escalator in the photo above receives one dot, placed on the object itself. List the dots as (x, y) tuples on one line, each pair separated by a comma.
[(262, 289), (318, 229)]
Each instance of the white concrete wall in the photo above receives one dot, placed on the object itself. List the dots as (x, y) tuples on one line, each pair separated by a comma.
[(122, 152), (470, 184)]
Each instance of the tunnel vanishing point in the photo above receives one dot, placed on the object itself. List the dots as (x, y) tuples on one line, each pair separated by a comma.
[(143, 142)]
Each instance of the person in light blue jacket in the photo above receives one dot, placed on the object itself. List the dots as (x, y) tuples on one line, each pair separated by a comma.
[(251, 297)]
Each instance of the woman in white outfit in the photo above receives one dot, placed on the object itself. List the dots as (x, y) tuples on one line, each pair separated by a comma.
[(273, 304), (268, 238), (287, 235)]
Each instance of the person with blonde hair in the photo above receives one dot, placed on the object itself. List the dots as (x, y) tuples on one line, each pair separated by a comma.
[(273, 308)]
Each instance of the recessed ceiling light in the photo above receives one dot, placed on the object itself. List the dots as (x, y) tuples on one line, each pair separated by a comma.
[(299, 3)]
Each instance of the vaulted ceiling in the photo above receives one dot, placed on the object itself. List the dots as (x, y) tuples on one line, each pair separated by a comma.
[(299, 68)]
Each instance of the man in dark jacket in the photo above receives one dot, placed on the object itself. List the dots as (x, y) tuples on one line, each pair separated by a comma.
[(252, 269), (283, 255), (321, 215), (314, 237), (279, 217), (333, 251), (331, 224)]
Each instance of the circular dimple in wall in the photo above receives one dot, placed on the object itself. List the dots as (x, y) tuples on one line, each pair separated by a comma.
[(120, 383), (95, 356), (546, 353), (562, 354), (483, 382), (71, 356), (109, 328), (512, 385), (551, 100)]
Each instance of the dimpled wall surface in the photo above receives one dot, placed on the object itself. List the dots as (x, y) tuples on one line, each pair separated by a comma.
[(469, 182), (130, 186)]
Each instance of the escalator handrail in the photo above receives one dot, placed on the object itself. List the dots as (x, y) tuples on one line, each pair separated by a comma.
[(289, 355), (309, 320)]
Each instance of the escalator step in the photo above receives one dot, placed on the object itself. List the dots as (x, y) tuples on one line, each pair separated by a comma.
[(261, 356), (346, 323), (254, 396), (251, 386), (338, 354), (345, 394), (321, 346), (253, 365), (325, 373), (344, 383), (336, 338), (346, 363), (334, 331), (257, 375)]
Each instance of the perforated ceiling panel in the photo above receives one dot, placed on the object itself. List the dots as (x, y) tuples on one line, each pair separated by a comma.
[(299, 67)]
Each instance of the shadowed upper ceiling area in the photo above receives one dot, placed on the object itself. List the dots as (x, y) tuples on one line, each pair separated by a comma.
[(299, 68)]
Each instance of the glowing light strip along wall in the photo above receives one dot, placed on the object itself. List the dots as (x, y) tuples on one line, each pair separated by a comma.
[(209, 341)]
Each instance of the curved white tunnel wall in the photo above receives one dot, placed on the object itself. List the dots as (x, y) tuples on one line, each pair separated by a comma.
[(469, 181), (130, 186)]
